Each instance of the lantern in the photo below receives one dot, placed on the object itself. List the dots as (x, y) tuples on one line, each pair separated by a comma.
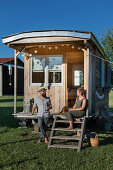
[(10, 70)]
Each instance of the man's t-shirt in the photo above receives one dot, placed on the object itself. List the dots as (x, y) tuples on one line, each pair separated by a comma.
[(42, 106)]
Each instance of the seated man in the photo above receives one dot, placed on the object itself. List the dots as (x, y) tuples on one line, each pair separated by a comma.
[(78, 110)]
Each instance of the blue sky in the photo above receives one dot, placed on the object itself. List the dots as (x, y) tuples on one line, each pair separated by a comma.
[(28, 15)]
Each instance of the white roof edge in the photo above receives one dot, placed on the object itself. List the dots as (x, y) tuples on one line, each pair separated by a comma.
[(9, 39)]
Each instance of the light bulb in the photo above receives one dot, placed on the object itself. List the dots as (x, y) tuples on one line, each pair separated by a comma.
[(35, 51), (30, 55)]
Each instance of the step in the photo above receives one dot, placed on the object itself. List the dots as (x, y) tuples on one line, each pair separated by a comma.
[(63, 117), (66, 121), (66, 137), (63, 129), (63, 146)]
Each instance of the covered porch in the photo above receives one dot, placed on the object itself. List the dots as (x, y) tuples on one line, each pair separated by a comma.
[(59, 61)]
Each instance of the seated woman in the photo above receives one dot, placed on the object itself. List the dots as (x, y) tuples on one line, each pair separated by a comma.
[(78, 110)]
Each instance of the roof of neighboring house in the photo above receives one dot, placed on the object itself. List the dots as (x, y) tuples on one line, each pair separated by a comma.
[(10, 60), (5, 60)]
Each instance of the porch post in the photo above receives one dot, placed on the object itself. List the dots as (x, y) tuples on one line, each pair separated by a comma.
[(87, 76), (1, 80), (15, 81), (88, 81)]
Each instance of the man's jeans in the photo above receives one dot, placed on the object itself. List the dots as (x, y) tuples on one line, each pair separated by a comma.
[(42, 122)]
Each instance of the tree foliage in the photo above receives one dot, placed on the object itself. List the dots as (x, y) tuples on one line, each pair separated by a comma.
[(107, 44)]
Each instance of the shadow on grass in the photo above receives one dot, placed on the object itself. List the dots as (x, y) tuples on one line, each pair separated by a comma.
[(105, 141), (22, 161), (6, 117), (9, 100), (4, 131), (19, 141)]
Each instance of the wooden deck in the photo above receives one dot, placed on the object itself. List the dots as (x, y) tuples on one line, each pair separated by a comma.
[(23, 115)]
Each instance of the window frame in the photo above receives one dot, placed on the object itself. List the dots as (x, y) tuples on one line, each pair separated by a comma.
[(79, 70), (46, 72)]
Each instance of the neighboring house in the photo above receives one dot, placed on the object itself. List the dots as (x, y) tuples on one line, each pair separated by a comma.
[(7, 76), (62, 61)]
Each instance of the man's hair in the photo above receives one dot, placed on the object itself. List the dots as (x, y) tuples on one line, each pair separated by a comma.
[(81, 90)]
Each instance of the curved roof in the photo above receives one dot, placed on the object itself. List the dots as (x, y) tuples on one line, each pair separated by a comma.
[(46, 33), (50, 36)]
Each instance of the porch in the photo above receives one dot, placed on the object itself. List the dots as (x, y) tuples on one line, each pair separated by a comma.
[(56, 60)]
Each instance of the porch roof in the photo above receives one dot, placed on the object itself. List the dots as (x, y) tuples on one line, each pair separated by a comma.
[(45, 36)]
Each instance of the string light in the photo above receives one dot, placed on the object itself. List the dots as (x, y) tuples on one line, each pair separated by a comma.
[(30, 55), (49, 48), (98, 57), (56, 47), (72, 46), (35, 51)]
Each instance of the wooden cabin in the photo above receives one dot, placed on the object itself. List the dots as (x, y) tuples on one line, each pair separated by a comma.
[(61, 61), (7, 76)]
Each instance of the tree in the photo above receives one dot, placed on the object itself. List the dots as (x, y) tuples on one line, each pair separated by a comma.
[(106, 40)]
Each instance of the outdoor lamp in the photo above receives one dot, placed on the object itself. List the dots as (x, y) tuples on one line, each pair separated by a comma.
[(10, 69)]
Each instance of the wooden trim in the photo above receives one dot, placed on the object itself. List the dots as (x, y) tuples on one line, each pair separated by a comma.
[(1, 80), (15, 81), (66, 90), (85, 70), (46, 72)]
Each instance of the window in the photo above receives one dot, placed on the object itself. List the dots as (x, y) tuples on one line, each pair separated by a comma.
[(55, 69), (46, 70), (78, 78), (38, 66)]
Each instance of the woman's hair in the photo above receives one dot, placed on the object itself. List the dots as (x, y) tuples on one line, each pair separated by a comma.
[(81, 90)]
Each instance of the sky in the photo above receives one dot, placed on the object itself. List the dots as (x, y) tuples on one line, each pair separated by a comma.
[(18, 16)]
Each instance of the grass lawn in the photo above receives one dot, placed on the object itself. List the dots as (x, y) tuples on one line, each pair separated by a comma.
[(111, 99), (19, 148)]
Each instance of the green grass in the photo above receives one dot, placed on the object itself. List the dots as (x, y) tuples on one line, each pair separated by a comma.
[(8, 101), (111, 99), (23, 152), (19, 149), (7, 109)]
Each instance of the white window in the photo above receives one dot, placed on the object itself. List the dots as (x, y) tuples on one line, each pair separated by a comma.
[(38, 66), (55, 69), (78, 78), (46, 70)]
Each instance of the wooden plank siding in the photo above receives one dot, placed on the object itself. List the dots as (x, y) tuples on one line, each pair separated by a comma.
[(101, 90), (72, 57), (58, 94)]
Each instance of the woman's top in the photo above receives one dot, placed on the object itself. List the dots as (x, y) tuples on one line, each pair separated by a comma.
[(79, 103)]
